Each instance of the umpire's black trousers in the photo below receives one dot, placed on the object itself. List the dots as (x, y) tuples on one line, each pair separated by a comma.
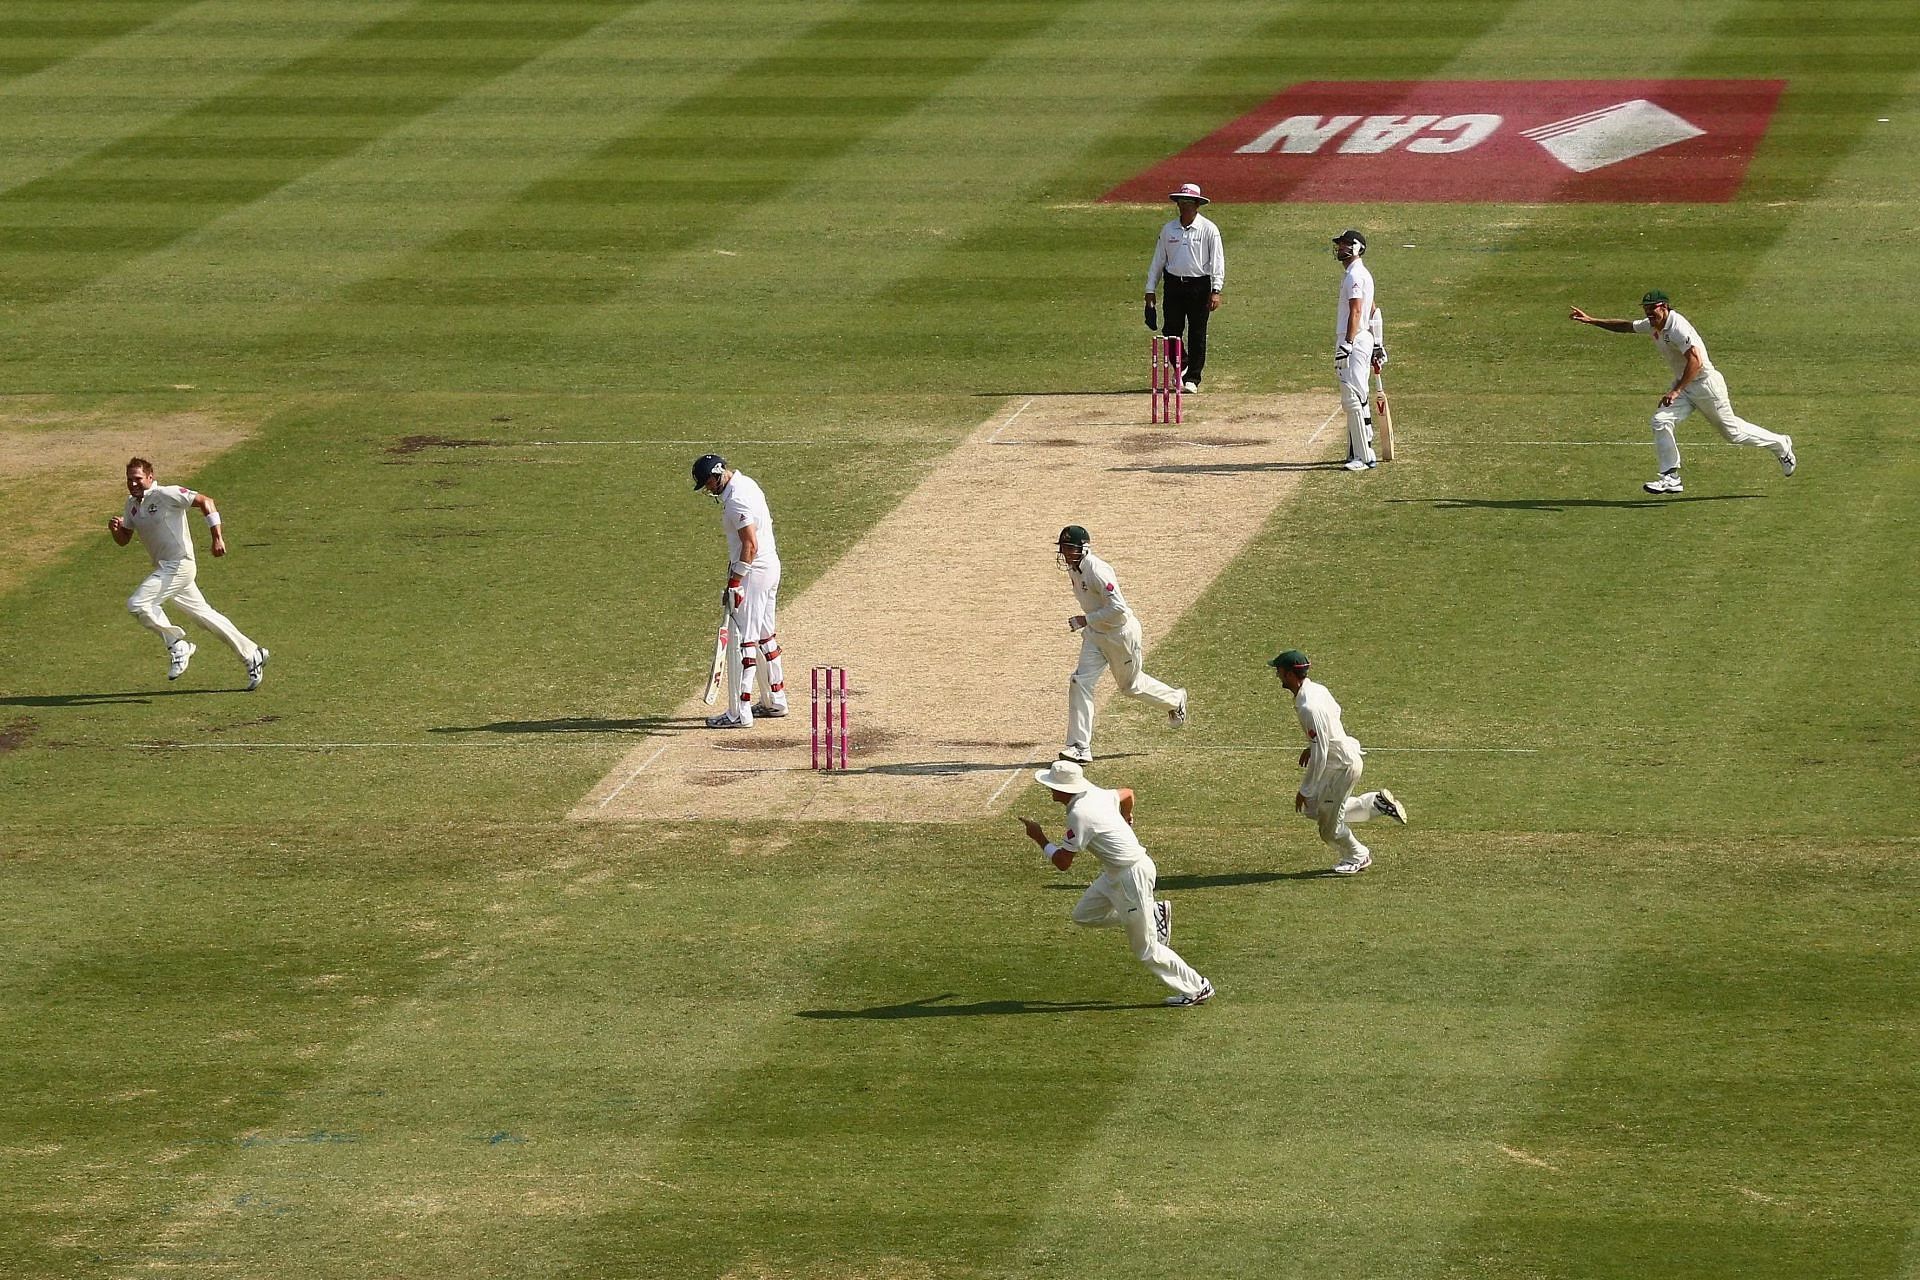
[(1183, 301)]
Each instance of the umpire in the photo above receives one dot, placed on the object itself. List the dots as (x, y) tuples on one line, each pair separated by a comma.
[(1193, 264)]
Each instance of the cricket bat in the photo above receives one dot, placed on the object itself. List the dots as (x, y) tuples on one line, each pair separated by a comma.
[(1383, 414), (719, 673)]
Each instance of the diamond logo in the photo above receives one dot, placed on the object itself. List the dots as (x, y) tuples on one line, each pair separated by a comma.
[(1596, 139)]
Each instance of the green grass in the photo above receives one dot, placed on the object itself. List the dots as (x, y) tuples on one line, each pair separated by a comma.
[(1633, 997)]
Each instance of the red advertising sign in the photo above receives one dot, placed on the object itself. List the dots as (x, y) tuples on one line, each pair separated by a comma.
[(1472, 141)]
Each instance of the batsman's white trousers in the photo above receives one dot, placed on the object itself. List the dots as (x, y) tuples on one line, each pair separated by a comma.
[(753, 627), (1124, 900), (1358, 404), (171, 582), (1706, 395), (1121, 651), (1336, 809)]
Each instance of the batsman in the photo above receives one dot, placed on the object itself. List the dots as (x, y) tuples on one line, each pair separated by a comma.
[(750, 596)]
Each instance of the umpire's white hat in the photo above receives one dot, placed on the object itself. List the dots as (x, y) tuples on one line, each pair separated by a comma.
[(1189, 191)]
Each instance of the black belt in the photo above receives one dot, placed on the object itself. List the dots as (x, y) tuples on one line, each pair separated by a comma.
[(1186, 279)]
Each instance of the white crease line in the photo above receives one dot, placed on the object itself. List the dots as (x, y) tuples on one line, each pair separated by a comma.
[(994, 438), (630, 777), (324, 746), (1323, 426), (1003, 786)]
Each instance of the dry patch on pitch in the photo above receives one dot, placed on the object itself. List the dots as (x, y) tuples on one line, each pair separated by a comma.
[(950, 616), (62, 473)]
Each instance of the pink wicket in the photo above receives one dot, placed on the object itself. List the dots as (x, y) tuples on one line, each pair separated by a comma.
[(829, 689), (1164, 355)]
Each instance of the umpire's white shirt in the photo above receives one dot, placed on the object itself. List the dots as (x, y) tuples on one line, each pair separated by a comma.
[(1672, 342), (1356, 283), (1098, 592), (160, 518), (1095, 825), (1189, 251), (742, 503), (1330, 750)]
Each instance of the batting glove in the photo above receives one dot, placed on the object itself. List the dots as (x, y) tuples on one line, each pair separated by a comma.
[(1340, 356), (1379, 355)]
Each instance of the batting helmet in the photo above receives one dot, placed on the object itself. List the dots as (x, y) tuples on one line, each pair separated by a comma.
[(1075, 535), (705, 467), (1355, 242)]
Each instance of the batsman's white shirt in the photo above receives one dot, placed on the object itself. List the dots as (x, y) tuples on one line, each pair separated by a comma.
[(1331, 751), (743, 503), (160, 518), (1673, 341), (1356, 283), (1098, 592), (1095, 825)]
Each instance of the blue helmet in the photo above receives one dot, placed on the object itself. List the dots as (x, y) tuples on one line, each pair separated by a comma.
[(705, 467)]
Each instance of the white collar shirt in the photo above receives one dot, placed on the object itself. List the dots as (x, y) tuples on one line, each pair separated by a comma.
[(1356, 283), (1189, 251), (1672, 342), (1095, 825), (1329, 747), (742, 503), (1098, 592), (160, 518)]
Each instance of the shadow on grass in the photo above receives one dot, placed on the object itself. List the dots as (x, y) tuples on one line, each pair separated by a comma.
[(1561, 504), (932, 1008), (1231, 468), (1226, 880), (640, 726), (105, 699)]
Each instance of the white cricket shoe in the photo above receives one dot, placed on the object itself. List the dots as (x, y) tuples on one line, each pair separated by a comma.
[(1163, 921), (1204, 994), (1353, 866), (257, 669), (1177, 716), (1079, 755), (1191, 388), (1788, 462), (1384, 803), (1355, 464), (1667, 483), (768, 710), (177, 655), (724, 721)]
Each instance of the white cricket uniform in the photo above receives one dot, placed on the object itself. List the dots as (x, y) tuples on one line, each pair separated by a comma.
[(1353, 371), (159, 518), (1121, 896), (753, 646), (1333, 771), (1111, 639), (1706, 394)]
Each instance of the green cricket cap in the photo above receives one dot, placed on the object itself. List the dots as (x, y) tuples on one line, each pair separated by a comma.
[(1653, 296), (1291, 660)]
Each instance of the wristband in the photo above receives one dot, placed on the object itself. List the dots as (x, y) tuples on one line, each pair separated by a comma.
[(1049, 851), (213, 519), (739, 569)]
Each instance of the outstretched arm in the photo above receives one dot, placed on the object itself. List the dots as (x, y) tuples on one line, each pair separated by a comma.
[(1059, 855), (1611, 326)]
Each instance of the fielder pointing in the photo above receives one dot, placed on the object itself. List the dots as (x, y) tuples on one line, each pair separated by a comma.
[(1332, 760), (1111, 638), (1697, 385), (750, 596)]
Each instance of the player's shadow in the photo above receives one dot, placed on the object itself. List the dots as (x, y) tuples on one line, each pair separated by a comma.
[(639, 726), (103, 699), (931, 1007), (1562, 504), (1062, 395), (940, 768), (1225, 880)]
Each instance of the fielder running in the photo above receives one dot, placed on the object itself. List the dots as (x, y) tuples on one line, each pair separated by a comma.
[(750, 596), (1111, 639), (1697, 385), (1100, 822), (158, 513), (1332, 760), (1353, 347)]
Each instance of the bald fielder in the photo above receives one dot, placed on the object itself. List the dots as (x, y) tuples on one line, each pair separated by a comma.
[(1332, 759), (157, 513), (1697, 385), (1110, 638), (1100, 822), (751, 595), (1353, 347)]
